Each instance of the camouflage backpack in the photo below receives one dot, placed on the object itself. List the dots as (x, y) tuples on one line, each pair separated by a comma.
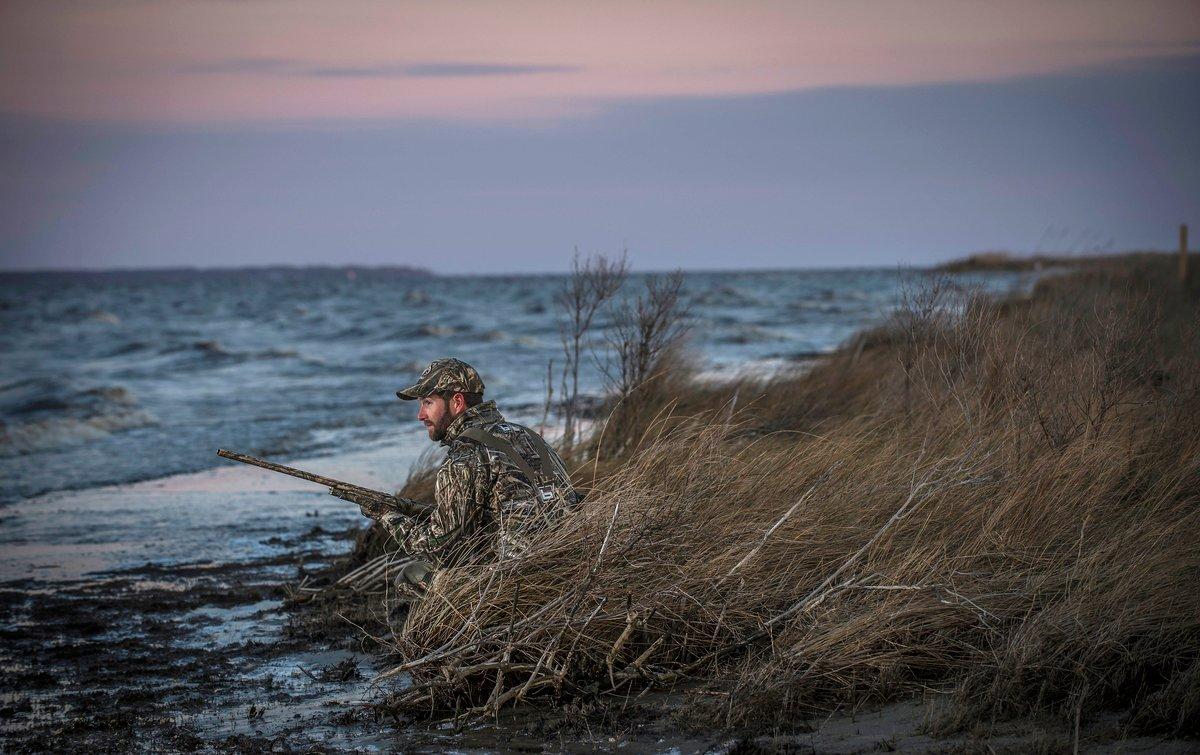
[(547, 475)]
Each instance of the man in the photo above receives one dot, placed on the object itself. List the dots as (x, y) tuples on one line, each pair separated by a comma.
[(500, 484)]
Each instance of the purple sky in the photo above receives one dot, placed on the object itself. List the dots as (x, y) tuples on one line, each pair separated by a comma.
[(494, 137)]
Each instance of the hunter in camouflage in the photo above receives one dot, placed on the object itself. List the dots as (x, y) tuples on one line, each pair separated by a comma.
[(500, 484)]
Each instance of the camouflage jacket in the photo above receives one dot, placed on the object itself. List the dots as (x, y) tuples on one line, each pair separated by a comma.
[(486, 504)]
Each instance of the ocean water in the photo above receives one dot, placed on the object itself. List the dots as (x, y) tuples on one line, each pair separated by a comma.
[(124, 376)]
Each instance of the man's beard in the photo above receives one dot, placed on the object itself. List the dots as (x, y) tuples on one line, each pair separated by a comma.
[(438, 431)]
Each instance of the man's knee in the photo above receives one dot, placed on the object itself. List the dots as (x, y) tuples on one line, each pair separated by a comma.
[(415, 576)]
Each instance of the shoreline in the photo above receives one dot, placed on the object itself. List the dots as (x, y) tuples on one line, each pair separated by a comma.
[(367, 462), (170, 518), (169, 600), (102, 387)]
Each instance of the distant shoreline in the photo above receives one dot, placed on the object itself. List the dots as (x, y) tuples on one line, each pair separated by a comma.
[(1003, 261), (997, 261), (168, 273)]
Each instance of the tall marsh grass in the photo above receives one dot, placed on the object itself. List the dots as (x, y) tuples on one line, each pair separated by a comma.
[(992, 501)]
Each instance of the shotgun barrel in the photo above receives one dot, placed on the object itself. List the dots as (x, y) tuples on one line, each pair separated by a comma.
[(344, 490)]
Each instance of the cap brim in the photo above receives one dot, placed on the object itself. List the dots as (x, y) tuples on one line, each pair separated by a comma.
[(408, 394)]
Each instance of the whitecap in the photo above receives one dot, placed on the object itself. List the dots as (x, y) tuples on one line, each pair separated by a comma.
[(758, 369), (437, 331), (103, 316)]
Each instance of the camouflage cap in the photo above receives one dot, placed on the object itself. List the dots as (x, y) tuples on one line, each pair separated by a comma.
[(444, 375)]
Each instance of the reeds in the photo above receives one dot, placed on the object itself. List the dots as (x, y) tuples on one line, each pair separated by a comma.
[(996, 501)]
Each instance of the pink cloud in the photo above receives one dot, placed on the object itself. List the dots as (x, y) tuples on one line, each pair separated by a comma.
[(182, 61)]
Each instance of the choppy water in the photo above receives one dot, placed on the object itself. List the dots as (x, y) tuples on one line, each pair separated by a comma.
[(115, 377)]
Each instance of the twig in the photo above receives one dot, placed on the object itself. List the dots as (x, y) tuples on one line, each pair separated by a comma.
[(753, 551)]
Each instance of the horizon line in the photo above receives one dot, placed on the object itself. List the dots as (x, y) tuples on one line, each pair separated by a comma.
[(425, 272)]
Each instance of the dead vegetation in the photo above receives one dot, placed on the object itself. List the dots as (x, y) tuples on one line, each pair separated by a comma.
[(995, 502), (593, 283)]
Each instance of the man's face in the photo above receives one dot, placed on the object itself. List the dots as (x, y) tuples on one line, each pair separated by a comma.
[(435, 414)]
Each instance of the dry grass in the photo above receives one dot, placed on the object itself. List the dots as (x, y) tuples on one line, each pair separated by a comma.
[(997, 501)]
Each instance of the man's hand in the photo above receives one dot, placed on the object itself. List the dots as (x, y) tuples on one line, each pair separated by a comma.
[(376, 511), (385, 509), (372, 509)]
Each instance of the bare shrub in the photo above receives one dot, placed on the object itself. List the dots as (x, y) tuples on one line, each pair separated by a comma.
[(644, 341), (644, 331), (593, 282)]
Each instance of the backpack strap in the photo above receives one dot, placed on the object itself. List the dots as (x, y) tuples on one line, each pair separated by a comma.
[(542, 449), (496, 443)]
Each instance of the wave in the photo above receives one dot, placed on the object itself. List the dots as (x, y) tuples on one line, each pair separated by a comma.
[(428, 330), (827, 307), (215, 351), (212, 347), (277, 354), (755, 369), (749, 334), (724, 296), (411, 367), (133, 347), (351, 332), (436, 331), (402, 371), (102, 316), (49, 394), (55, 433), (51, 421)]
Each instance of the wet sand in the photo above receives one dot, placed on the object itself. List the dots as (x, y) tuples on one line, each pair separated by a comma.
[(152, 616)]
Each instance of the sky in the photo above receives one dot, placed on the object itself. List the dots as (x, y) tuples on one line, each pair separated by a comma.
[(487, 137)]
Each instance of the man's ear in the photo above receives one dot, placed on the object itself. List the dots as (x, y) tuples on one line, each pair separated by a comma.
[(458, 404)]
